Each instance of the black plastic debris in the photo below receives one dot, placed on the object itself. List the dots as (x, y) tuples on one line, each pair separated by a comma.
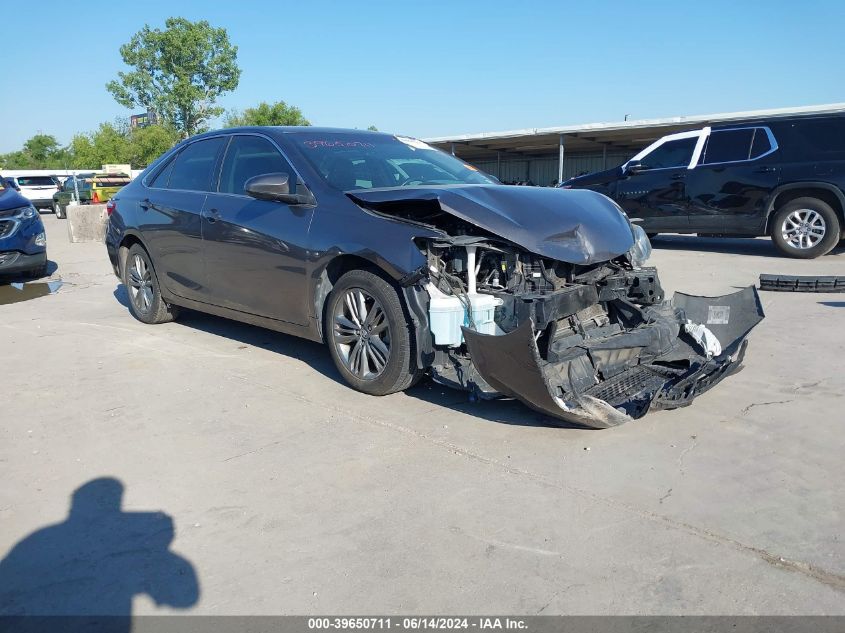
[(793, 283)]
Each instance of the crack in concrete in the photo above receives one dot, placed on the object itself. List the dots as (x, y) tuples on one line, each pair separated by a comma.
[(493, 543), (253, 451), (762, 404), (685, 451)]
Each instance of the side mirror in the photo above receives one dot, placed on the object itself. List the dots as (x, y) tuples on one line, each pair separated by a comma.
[(634, 167), (276, 187), (268, 187)]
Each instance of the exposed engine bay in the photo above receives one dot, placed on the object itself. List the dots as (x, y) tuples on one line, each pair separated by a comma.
[(594, 342)]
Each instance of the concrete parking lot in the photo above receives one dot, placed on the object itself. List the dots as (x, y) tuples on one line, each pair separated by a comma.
[(290, 493)]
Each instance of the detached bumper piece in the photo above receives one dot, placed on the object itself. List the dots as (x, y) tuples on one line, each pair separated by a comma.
[(791, 283), (640, 358)]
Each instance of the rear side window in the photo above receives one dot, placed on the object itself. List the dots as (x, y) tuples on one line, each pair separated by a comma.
[(193, 169), (728, 146), (676, 153), (163, 176), (249, 156), (760, 144)]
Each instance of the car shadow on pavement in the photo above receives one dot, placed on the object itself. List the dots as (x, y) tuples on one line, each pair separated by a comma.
[(316, 355), (94, 562), (502, 411), (313, 354), (761, 247), (832, 304)]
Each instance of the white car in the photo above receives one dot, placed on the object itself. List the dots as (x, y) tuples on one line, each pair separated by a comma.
[(38, 190)]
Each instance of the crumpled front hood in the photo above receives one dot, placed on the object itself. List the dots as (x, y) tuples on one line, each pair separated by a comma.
[(574, 226)]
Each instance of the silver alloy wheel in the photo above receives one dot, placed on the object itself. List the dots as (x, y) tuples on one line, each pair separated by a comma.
[(141, 284), (361, 334), (803, 228)]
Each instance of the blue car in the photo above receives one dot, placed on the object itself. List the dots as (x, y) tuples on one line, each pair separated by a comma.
[(23, 243)]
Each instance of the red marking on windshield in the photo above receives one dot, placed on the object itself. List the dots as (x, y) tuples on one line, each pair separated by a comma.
[(335, 143)]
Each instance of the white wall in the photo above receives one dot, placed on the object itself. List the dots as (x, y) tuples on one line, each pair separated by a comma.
[(57, 172)]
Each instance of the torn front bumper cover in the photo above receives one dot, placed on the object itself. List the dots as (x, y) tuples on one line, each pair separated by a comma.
[(653, 361)]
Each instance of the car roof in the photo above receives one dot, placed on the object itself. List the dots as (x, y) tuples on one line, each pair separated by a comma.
[(772, 121), (289, 129)]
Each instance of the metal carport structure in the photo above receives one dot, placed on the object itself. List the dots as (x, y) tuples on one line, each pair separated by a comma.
[(543, 155)]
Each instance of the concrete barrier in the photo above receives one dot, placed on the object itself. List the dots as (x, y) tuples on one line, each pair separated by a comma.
[(86, 222)]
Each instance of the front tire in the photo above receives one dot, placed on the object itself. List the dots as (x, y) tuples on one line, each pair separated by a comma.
[(145, 301), (368, 334), (59, 210), (805, 228)]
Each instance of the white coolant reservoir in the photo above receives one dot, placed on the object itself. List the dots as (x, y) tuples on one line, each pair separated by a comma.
[(483, 311), (447, 314)]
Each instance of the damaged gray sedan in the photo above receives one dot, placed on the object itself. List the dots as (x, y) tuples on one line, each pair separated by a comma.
[(407, 262)]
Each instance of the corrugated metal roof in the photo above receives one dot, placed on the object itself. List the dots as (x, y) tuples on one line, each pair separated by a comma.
[(619, 136), (699, 119)]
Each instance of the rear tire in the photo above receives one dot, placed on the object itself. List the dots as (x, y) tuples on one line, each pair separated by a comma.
[(145, 301), (805, 228), (369, 336), (59, 210)]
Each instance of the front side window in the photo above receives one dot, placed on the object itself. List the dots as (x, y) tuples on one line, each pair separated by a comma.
[(677, 153), (249, 156), (346, 160), (193, 169)]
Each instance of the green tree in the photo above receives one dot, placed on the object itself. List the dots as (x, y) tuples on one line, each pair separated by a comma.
[(108, 144), (279, 113), (148, 143), (42, 151), (373, 128), (41, 148), (178, 73)]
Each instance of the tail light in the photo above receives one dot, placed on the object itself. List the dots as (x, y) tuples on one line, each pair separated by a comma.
[(95, 196), (111, 207)]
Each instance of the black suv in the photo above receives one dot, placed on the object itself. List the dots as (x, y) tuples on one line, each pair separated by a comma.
[(781, 177)]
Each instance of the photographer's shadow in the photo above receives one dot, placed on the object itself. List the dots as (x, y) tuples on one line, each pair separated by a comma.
[(96, 560)]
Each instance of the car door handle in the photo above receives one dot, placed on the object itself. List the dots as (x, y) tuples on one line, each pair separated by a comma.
[(679, 176), (144, 204), (212, 215)]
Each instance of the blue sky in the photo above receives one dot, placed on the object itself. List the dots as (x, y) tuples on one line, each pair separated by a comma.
[(439, 68)]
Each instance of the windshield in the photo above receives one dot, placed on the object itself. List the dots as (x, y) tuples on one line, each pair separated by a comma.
[(366, 161)]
